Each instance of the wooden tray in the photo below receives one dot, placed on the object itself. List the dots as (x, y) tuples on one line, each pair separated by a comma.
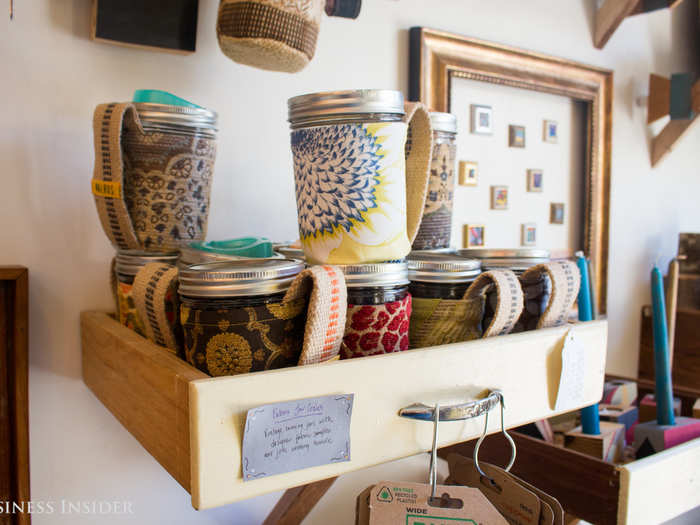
[(648, 491), (192, 424)]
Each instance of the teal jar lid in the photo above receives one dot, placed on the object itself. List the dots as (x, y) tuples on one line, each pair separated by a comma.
[(257, 247), (156, 96)]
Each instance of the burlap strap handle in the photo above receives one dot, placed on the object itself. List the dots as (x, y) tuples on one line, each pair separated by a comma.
[(108, 176), (566, 280), (418, 157), (153, 283), (325, 314), (509, 305)]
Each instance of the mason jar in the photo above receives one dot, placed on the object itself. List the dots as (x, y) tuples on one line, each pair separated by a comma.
[(536, 292), (436, 225), (169, 153), (441, 314), (127, 265), (234, 318), (379, 309), (349, 170)]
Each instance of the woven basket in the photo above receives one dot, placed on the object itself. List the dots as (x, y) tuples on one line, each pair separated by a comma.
[(277, 35)]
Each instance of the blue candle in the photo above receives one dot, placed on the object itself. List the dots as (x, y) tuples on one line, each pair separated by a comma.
[(590, 420), (662, 368)]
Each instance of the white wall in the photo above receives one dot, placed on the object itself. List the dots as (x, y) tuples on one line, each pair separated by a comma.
[(53, 76)]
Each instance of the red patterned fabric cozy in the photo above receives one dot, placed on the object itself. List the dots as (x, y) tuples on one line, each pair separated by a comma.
[(376, 329)]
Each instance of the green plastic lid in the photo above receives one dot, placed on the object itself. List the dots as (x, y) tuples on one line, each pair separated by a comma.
[(156, 96), (257, 247)]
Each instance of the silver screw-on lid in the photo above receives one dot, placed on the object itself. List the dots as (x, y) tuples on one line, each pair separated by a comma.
[(443, 121), (375, 274), (129, 262), (441, 268), (289, 250), (345, 103), (165, 117), (190, 256), (518, 260), (239, 278)]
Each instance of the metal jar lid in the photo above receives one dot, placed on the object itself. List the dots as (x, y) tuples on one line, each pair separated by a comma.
[(518, 260), (190, 256), (239, 278), (375, 274), (443, 121), (129, 262), (352, 102), (166, 117), (441, 268)]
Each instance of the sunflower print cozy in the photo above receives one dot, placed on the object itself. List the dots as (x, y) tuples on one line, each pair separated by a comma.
[(351, 192)]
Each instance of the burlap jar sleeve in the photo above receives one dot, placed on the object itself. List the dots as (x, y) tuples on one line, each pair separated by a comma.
[(108, 176), (419, 148), (156, 299), (443, 321), (510, 299), (277, 35), (566, 280), (325, 314)]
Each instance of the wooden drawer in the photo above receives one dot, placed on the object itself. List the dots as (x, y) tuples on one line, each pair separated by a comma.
[(647, 491), (193, 424)]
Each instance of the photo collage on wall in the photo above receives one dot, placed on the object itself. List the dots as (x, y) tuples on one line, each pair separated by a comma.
[(481, 123)]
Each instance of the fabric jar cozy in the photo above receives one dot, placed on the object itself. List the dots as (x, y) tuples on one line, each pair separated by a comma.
[(277, 35), (153, 171), (536, 289), (441, 313), (436, 224), (260, 314), (379, 309), (126, 267)]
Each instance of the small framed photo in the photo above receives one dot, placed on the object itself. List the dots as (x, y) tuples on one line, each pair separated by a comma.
[(468, 173), (473, 235), (550, 131), (499, 197), (528, 234), (534, 180), (481, 119), (516, 136), (556, 213)]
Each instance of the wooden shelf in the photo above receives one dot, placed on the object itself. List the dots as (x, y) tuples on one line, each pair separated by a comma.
[(647, 491), (193, 424)]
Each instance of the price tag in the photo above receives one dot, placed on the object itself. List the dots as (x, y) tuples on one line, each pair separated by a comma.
[(293, 435), (571, 382)]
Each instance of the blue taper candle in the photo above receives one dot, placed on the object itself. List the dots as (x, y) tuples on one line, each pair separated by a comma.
[(662, 367), (590, 420)]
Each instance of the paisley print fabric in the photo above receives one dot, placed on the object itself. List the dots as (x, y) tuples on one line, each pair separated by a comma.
[(436, 225), (376, 329), (351, 192), (237, 340), (128, 313), (167, 180)]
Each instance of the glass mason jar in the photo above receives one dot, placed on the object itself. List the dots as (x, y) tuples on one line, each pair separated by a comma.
[(350, 175), (127, 265), (169, 155), (379, 309), (536, 292), (441, 314), (234, 319), (436, 226)]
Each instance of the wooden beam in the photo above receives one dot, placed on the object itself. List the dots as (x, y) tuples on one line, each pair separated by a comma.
[(295, 504), (609, 16), (663, 143)]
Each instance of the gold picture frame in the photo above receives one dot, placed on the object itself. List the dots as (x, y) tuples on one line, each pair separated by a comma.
[(437, 57)]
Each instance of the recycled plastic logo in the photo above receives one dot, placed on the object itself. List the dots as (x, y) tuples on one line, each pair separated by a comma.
[(385, 495)]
